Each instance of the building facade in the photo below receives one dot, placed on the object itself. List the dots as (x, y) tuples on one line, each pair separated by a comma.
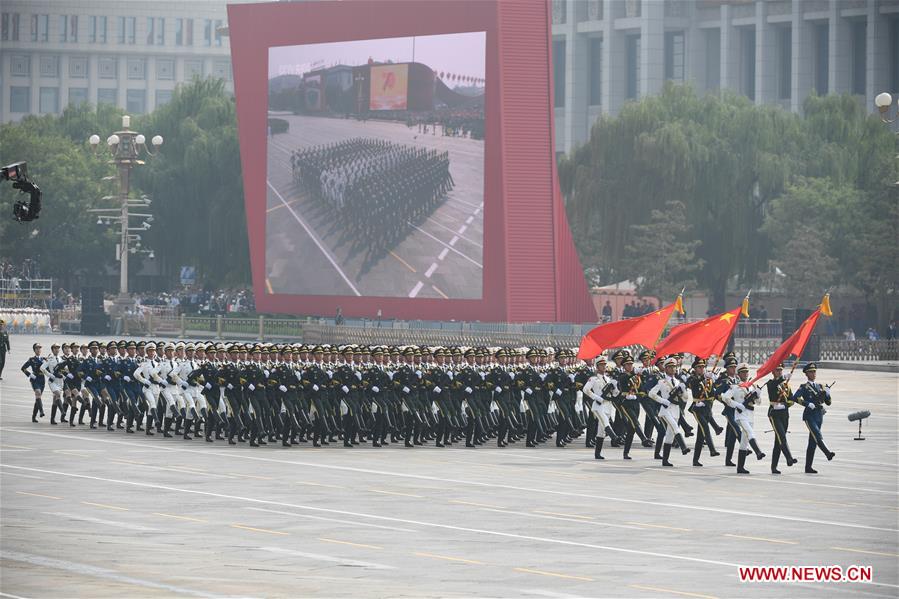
[(608, 52), (129, 53)]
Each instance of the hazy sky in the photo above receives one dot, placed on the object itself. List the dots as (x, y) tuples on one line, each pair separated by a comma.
[(460, 53)]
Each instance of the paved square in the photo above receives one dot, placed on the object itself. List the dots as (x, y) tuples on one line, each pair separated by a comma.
[(91, 513)]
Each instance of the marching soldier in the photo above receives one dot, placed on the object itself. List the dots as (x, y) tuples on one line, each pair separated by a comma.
[(814, 397), (780, 398), (32, 369), (671, 393)]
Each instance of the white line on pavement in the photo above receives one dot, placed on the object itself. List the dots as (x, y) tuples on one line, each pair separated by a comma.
[(462, 229), (431, 269), (476, 263), (329, 558), (443, 253), (454, 240), (416, 289), (115, 523), (353, 522)]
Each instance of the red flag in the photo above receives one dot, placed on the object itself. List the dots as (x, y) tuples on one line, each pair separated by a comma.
[(644, 330), (793, 346), (703, 338)]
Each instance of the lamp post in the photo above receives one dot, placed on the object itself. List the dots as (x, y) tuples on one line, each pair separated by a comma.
[(126, 147), (884, 101)]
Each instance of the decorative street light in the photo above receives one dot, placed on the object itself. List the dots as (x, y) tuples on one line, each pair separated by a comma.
[(884, 101), (126, 147)]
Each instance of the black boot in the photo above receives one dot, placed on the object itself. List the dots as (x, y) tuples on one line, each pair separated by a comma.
[(775, 458), (187, 436), (167, 427), (809, 458), (755, 447), (666, 453), (81, 412), (129, 423), (34, 411), (597, 450), (729, 456), (697, 451), (614, 440), (680, 443), (660, 439), (628, 441), (53, 409), (150, 416), (741, 462)]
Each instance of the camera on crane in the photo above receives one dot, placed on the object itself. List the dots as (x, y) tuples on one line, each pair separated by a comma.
[(18, 173)]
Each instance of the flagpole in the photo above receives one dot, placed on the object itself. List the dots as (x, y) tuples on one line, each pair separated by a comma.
[(744, 308), (825, 301)]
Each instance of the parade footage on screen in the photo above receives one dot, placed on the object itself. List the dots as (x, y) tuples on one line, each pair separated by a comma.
[(375, 167)]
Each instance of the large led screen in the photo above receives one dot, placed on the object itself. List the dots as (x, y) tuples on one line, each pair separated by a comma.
[(375, 168)]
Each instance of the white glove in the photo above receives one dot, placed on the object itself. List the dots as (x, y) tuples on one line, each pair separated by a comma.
[(31, 377), (498, 389), (468, 389), (630, 396), (666, 403), (185, 386), (359, 375), (252, 387), (418, 372), (376, 389), (437, 389), (127, 378), (89, 379), (208, 386), (107, 377), (266, 372), (740, 407), (787, 376), (282, 388), (571, 376), (405, 389), (542, 376), (558, 392), (71, 376), (529, 391), (810, 406), (315, 387), (345, 389), (230, 386)]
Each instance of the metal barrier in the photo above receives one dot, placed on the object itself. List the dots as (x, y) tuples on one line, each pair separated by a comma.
[(859, 350), (19, 288)]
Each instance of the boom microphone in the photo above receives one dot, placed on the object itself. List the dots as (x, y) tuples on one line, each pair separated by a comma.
[(859, 415)]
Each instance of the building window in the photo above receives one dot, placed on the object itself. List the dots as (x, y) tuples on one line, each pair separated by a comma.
[(73, 28), (747, 41), (674, 55), (207, 32), (859, 56), (822, 58), (184, 32), (165, 68), (97, 30), (108, 96), (712, 59), (78, 67), (894, 44), (4, 27), (107, 67), (20, 65), (163, 97), (633, 66), (49, 66), (784, 63), (77, 95), (136, 101), (49, 100), (137, 68), (595, 71), (64, 29), (19, 99), (127, 27), (193, 68), (559, 73), (40, 28), (155, 31), (218, 32), (9, 32), (221, 69)]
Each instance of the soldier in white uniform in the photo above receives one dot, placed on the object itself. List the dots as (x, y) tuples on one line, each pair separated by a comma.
[(145, 374), (48, 369), (167, 372), (599, 388), (673, 395), (743, 401)]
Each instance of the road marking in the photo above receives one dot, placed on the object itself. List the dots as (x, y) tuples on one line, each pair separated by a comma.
[(761, 539), (487, 505), (265, 530), (473, 261), (86, 569), (326, 540), (2, 594), (316, 241), (127, 461), (114, 523), (464, 202), (273, 208), (268, 286), (442, 226), (431, 269), (303, 482), (396, 493), (401, 261), (563, 518), (437, 289), (14, 446), (322, 518), (416, 289), (462, 229), (442, 254), (469, 220), (72, 453), (5, 473), (554, 574), (476, 531), (37, 495), (661, 526), (448, 558), (179, 517), (454, 240), (672, 591), (250, 476), (106, 506), (328, 558), (865, 551), (565, 515), (455, 481)]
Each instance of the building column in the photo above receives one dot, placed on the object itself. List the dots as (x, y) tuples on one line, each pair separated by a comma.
[(64, 82), (652, 48), (730, 45), (92, 79), (839, 50), (576, 49), (4, 87), (695, 55), (877, 77), (150, 104), (122, 81), (765, 57), (614, 78), (802, 67)]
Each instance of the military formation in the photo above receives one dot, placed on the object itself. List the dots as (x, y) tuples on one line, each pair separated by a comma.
[(418, 395), (375, 188)]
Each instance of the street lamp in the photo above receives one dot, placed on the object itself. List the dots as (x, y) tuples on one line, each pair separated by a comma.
[(884, 101), (126, 147)]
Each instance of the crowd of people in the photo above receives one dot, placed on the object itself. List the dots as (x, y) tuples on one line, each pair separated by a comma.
[(415, 395), (196, 300), (450, 122), (375, 188)]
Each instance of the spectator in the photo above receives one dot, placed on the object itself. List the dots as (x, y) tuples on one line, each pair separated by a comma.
[(872, 334), (891, 330), (763, 312), (339, 319), (607, 312)]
